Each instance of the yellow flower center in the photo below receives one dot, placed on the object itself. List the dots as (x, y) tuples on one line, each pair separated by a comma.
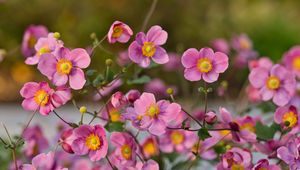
[(224, 132), (114, 115), (296, 63), (177, 137), (262, 169), (32, 41), (153, 110), (150, 148), (245, 45), (117, 32), (273, 83), (237, 167), (92, 142), (148, 49), (291, 118), (204, 65), (43, 50), (64, 66), (41, 97), (248, 126), (126, 151)]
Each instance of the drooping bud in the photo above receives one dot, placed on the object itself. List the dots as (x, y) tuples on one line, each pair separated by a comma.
[(132, 95), (210, 117)]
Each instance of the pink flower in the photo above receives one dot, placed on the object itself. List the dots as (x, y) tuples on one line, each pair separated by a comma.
[(147, 47), (126, 149), (291, 60), (30, 37), (150, 165), (241, 43), (66, 140), (220, 45), (90, 140), (42, 161), (235, 158), (65, 66), (40, 96), (123, 58), (264, 62), (290, 153), (147, 114), (264, 164), (204, 64), (174, 63), (44, 45), (119, 32), (253, 94), (150, 147), (277, 83), (287, 117), (177, 140)]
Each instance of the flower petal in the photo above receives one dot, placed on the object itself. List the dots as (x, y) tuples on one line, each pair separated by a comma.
[(220, 62), (157, 35), (160, 56), (79, 147), (80, 58), (77, 79), (59, 79), (158, 127), (210, 77), (192, 74), (190, 57)]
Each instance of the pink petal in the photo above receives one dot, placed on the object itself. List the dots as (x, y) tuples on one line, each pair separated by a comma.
[(29, 89), (157, 35), (284, 154), (225, 115), (83, 131), (59, 79), (192, 74), (210, 76), (79, 147), (47, 65), (206, 53), (220, 62), (140, 38), (80, 58), (190, 57), (135, 52), (281, 97), (45, 110), (32, 60), (145, 100), (124, 38), (97, 154), (160, 56), (29, 104), (158, 127), (171, 112), (266, 94), (117, 139), (77, 79), (258, 77), (145, 62)]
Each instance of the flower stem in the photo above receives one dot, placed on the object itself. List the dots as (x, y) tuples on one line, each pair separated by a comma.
[(149, 14), (191, 116), (15, 158), (109, 162), (62, 118), (205, 102)]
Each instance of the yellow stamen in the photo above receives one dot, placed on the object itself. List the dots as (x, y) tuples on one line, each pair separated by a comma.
[(148, 49), (248, 126), (291, 118), (92, 142), (41, 97), (273, 83), (32, 41), (114, 115), (150, 148), (126, 151), (43, 50), (204, 65), (64, 66), (177, 137), (237, 167), (117, 32), (296, 63), (153, 111)]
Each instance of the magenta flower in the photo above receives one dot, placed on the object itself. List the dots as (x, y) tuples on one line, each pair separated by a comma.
[(44, 45), (39, 96), (264, 164), (287, 117), (90, 140), (119, 32), (123, 58), (291, 60), (147, 47), (147, 114), (235, 158), (290, 153), (277, 83), (30, 37), (126, 149), (65, 66), (205, 64), (177, 140), (220, 45)]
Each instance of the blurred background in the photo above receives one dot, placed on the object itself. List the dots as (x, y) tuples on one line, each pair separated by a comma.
[(272, 25)]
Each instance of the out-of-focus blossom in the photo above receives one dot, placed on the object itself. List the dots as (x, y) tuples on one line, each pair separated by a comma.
[(132, 95), (235, 158), (66, 66), (287, 117), (204, 64), (277, 83), (21, 73), (242, 59), (119, 32), (264, 164), (123, 58), (241, 43), (90, 140), (156, 86), (39, 96), (174, 63), (291, 60), (210, 117), (253, 94), (2, 54), (177, 140), (150, 165), (147, 47), (147, 114), (30, 38), (150, 147), (45, 45), (221, 45), (66, 140), (126, 149), (290, 153), (106, 90), (263, 62)]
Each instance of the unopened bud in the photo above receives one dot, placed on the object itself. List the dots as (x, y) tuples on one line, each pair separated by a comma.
[(109, 62), (170, 91), (82, 109), (210, 117), (56, 35)]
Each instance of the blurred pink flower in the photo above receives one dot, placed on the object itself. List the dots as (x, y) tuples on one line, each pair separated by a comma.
[(221, 45), (119, 32), (106, 90), (291, 59), (253, 94), (66, 140), (290, 153), (264, 62), (174, 63), (123, 58)]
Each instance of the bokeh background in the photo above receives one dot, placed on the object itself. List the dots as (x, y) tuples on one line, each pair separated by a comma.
[(273, 25)]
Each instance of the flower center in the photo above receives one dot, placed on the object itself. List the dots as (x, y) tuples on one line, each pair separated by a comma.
[(204, 65), (148, 49), (296, 63), (117, 32), (64, 66), (262, 169), (92, 142), (248, 126), (245, 45), (41, 97), (43, 50), (153, 111), (273, 83), (237, 167), (150, 148), (224, 132), (290, 119), (126, 151), (114, 115), (32, 41), (177, 137)]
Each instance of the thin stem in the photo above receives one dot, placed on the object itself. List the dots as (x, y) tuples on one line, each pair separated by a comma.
[(220, 129), (205, 102), (137, 142), (109, 162), (3, 141), (191, 116), (15, 158), (149, 14), (61, 118), (98, 43), (10, 140)]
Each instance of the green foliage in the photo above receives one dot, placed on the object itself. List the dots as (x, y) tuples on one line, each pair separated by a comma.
[(203, 133), (265, 132), (141, 80), (114, 126)]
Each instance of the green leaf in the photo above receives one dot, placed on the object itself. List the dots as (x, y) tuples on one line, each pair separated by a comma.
[(266, 132), (180, 165), (220, 149), (97, 81), (141, 80), (115, 126), (90, 72), (203, 133)]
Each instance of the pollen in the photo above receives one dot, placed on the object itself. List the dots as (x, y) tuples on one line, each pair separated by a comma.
[(296, 63), (64, 66), (93, 142), (204, 65), (248, 126), (291, 118), (41, 97), (153, 111), (126, 151), (273, 83), (117, 32), (43, 50), (148, 49)]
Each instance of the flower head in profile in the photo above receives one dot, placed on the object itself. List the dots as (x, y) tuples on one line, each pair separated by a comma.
[(147, 114), (90, 140), (66, 66), (45, 45), (290, 153), (264, 164), (30, 38), (204, 64), (126, 148), (119, 32), (39, 96), (276, 83), (291, 59), (148, 47), (235, 158), (287, 117), (66, 139)]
